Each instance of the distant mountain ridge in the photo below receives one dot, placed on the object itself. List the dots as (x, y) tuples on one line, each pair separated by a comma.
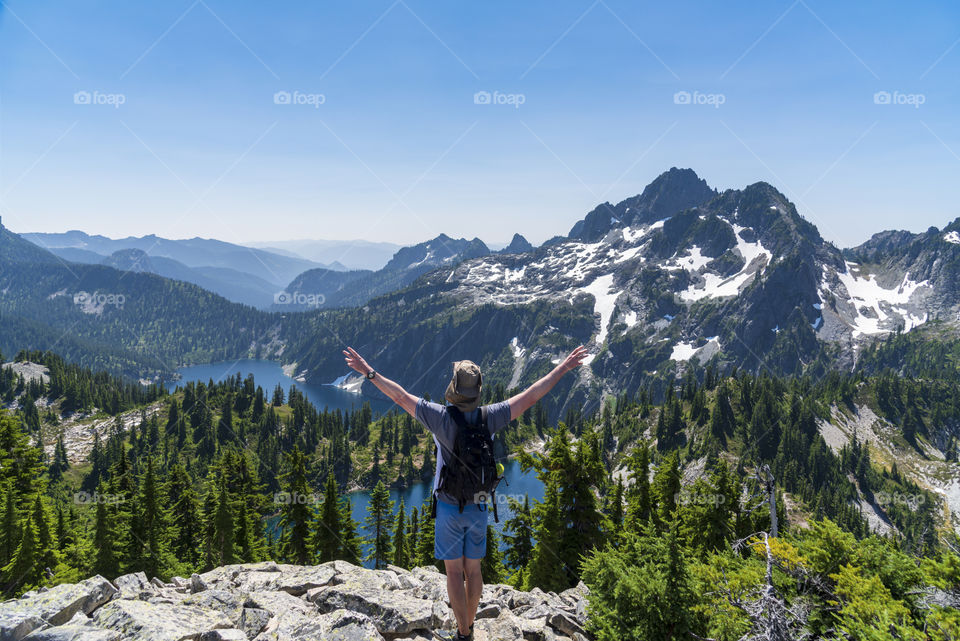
[(323, 288), (192, 252), (340, 255)]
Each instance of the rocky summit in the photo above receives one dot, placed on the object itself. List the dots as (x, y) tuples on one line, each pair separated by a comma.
[(275, 602)]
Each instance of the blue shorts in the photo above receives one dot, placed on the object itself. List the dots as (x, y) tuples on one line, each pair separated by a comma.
[(458, 534)]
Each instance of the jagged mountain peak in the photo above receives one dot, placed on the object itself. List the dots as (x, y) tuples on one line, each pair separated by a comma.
[(435, 252), (518, 245), (672, 191)]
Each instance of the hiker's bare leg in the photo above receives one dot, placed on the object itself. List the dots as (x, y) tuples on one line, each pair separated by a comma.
[(457, 594), (474, 579)]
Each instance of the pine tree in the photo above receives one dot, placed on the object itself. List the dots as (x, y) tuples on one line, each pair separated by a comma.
[(24, 571), (639, 507), (518, 532), (104, 540), (60, 463), (152, 525), (327, 532), (401, 556), (413, 531), (185, 526), (569, 522), (666, 486), (295, 515), (221, 544), (9, 528), (491, 567), (225, 433), (46, 555), (379, 510), (350, 540), (616, 509), (424, 554)]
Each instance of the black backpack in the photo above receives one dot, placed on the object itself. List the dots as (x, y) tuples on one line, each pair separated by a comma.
[(471, 477)]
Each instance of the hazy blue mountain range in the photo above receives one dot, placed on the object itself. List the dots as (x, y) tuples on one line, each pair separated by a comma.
[(192, 252), (340, 255)]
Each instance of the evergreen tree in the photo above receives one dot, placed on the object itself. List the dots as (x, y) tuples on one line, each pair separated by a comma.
[(295, 513), (639, 506), (666, 486), (185, 526), (328, 530), (491, 567), (45, 551), (424, 554), (518, 532), (104, 540), (569, 521), (379, 510), (152, 527), (616, 509), (25, 570), (225, 433), (9, 528), (350, 541), (221, 544), (401, 557)]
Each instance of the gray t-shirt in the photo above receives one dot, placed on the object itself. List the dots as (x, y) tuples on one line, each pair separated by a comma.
[(437, 419)]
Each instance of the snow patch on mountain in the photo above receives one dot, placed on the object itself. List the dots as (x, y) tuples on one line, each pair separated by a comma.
[(515, 347), (605, 301), (685, 351), (952, 237), (755, 257), (874, 305)]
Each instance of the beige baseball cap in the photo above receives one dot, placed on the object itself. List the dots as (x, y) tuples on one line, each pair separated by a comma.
[(464, 388)]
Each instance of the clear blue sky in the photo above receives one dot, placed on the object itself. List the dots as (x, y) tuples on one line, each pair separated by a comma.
[(399, 150)]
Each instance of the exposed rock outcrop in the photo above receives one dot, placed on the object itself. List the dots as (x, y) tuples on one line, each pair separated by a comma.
[(275, 602)]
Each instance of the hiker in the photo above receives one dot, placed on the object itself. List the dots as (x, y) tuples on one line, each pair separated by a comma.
[(467, 474)]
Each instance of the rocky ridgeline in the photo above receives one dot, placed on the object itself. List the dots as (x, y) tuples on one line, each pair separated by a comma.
[(265, 601)]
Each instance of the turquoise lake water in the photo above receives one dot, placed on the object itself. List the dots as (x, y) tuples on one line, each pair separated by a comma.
[(267, 374)]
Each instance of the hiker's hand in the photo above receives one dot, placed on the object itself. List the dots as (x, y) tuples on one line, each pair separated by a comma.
[(575, 359), (355, 361)]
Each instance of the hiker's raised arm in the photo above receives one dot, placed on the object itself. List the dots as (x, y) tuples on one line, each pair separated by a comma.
[(527, 398), (394, 392)]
